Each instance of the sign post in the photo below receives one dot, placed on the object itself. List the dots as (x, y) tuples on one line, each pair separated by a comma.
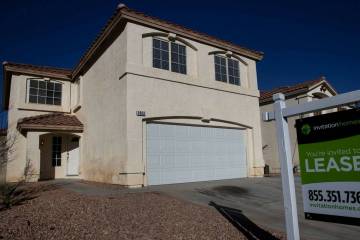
[(280, 115), (287, 176)]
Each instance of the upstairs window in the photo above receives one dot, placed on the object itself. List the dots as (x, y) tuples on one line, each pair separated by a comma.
[(44, 92), (162, 52), (227, 70)]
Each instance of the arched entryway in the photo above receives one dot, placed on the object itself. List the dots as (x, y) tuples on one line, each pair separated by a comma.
[(59, 155)]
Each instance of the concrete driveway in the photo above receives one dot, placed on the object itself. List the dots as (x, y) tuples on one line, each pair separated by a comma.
[(259, 199)]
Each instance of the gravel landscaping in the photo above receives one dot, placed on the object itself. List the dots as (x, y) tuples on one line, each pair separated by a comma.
[(57, 213)]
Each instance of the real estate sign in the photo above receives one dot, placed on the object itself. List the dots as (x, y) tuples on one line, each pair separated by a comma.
[(329, 150)]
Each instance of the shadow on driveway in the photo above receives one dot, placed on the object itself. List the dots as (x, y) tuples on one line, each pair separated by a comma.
[(243, 224)]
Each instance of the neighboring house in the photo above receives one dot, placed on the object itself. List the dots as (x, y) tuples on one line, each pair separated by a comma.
[(149, 103), (297, 94)]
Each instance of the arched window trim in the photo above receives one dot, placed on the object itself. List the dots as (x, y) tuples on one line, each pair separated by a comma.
[(171, 37), (229, 54)]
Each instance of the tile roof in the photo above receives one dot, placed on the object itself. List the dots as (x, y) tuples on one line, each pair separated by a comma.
[(185, 29), (41, 70), (52, 121), (266, 96), (126, 14)]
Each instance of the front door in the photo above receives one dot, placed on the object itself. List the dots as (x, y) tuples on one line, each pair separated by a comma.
[(73, 157)]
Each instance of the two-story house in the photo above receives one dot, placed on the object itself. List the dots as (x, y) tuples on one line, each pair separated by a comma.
[(294, 95), (149, 103)]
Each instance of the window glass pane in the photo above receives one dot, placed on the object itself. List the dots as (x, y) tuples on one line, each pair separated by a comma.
[(44, 92), (156, 54), (183, 69), (164, 46), (156, 43), (57, 101), (182, 50), (33, 99), (50, 100), (233, 69), (33, 91), (34, 83), (174, 57), (58, 87), (56, 151), (156, 63), (57, 95), (42, 85), (50, 94), (237, 81), (174, 47), (178, 58), (160, 54), (41, 100), (220, 69), (218, 76), (50, 86), (174, 67), (165, 65), (165, 56), (231, 79)]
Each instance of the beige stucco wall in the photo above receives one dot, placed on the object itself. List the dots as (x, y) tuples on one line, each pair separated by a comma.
[(268, 130), (162, 93), (123, 81), (19, 108), (103, 113)]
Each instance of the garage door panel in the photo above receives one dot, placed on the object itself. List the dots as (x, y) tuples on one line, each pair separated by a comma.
[(177, 153), (181, 160), (153, 161), (167, 146), (155, 176)]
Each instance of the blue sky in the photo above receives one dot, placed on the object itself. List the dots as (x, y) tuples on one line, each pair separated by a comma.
[(301, 39)]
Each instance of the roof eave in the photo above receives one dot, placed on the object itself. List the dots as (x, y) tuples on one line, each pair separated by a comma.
[(197, 37), (288, 95), (8, 70), (39, 127), (109, 34), (117, 25), (38, 73)]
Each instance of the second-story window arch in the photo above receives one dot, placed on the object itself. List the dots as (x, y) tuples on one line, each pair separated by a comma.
[(169, 52), (227, 67), (169, 55)]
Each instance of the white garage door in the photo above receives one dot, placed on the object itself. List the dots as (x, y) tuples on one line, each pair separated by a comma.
[(179, 153)]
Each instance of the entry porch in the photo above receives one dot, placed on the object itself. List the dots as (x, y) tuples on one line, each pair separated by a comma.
[(53, 146)]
